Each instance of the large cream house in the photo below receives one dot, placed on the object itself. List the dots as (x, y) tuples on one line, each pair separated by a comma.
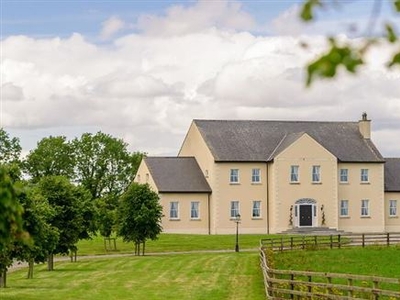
[(278, 175)]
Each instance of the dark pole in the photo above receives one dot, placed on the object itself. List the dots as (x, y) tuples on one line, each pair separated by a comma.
[(237, 233)]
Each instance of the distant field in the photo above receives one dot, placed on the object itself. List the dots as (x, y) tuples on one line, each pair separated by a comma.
[(176, 243), (178, 276), (374, 260)]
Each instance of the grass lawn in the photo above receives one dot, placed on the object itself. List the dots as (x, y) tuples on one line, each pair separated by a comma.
[(177, 276), (373, 260), (175, 243)]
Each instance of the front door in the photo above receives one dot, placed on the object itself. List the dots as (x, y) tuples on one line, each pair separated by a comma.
[(305, 215)]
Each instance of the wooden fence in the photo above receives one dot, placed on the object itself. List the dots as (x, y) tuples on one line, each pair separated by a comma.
[(288, 284)]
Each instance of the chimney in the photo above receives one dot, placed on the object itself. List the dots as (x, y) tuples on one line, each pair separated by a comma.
[(364, 125)]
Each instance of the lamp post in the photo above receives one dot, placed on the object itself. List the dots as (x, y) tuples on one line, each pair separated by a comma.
[(237, 220)]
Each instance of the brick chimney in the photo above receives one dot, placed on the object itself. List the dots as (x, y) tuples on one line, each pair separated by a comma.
[(364, 125)]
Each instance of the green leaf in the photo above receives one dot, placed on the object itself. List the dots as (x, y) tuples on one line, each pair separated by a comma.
[(307, 11), (390, 33), (395, 60), (397, 5)]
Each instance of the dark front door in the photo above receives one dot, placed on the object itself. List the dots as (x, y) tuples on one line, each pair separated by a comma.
[(305, 215)]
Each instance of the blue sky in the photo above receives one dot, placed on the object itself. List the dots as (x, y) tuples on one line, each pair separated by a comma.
[(142, 70)]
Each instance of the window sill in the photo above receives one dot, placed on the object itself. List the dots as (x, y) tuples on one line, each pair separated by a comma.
[(344, 217), (364, 182), (234, 183), (197, 219), (317, 182), (294, 182), (175, 219), (344, 182), (256, 183), (365, 217), (393, 217), (256, 218)]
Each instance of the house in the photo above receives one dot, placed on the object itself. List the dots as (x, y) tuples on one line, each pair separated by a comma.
[(277, 175)]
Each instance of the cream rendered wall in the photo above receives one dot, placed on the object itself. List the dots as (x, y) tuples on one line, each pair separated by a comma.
[(245, 192), (184, 224), (305, 152), (354, 191), (392, 222), (143, 176), (194, 145)]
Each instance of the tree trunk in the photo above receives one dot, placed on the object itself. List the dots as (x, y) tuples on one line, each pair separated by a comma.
[(30, 268), (50, 262), (144, 244), (3, 278), (73, 255)]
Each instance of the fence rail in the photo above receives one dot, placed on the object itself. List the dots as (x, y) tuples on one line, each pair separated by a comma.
[(289, 284)]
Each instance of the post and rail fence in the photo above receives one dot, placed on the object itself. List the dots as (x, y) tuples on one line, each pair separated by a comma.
[(289, 284)]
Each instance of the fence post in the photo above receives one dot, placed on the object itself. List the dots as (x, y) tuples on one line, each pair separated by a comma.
[(339, 244), (375, 285), (303, 242), (291, 285), (281, 244), (315, 241), (291, 243), (350, 291), (363, 240), (388, 239), (331, 240)]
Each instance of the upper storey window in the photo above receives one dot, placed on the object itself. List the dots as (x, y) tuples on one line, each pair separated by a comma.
[(255, 176), (234, 176), (316, 174), (344, 175), (364, 175), (294, 173)]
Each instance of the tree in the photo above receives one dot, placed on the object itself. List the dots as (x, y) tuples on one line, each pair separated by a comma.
[(44, 237), (67, 201), (139, 215), (348, 55), (53, 156), (10, 222), (10, 151)]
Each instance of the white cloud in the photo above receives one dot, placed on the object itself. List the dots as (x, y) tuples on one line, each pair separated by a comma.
[(111, 26), (147, 88), (179, 19)]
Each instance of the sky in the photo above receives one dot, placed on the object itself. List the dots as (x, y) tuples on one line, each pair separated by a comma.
[(143, 70)]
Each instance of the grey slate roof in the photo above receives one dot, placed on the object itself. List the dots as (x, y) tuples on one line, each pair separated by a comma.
[(392, 175), (243, 140), (177, 175)]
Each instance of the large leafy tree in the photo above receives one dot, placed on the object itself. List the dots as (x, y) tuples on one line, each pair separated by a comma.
[(69, 203), (10, 151), (139, 215), (10, 222), (350, 55), (53, 156)]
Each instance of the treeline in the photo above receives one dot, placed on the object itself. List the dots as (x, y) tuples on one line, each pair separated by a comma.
[(64, 191)]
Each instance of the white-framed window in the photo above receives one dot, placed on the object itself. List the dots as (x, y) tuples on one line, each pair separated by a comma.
[(194, 210), (174, 210), (234, 176), (294, 173), (364, 208), (235, 210), (344, 208), (344, 175), (392, 208), (255, 176), (364, 175), (316, 173), (256, 212)]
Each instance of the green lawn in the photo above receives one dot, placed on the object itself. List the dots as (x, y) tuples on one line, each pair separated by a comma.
[(374, 260), (177, 276), (176, 243)]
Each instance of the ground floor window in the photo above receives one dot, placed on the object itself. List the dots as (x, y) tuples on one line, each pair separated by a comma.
[(235, 209), (256, 209), (392, 208), (344, 208), (364, 208), (194, 210), (174, 210)]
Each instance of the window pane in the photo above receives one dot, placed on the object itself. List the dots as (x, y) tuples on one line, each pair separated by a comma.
[(173, 210), (194, 210), (344, 207), (392, 207), (364, 207), (255, 175), (364, 175), (256, 209), (294, 173), (316, 177), (234, 209), (234, 175), (344, 175)]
